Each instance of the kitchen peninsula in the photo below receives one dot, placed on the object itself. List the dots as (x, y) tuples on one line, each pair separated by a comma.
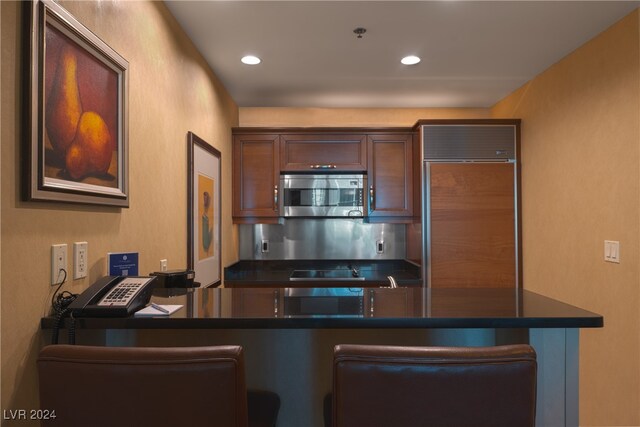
[(289, 333)]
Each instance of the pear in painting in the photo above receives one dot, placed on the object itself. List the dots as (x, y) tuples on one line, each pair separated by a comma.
[(63, 107), (90, 151)]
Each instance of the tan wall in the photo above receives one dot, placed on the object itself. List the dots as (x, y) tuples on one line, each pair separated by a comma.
[(580, 186), (311, 117), (581, 130), (171, 91)]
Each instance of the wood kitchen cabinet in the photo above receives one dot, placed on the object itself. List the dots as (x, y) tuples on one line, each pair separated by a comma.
[(385, 154), (256, 176), (251, 302), (390, 176), (324, 151), (387, 302)]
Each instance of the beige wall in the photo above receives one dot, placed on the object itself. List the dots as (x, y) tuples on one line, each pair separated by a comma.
[(171, 91), (311, 117), (580, 186)]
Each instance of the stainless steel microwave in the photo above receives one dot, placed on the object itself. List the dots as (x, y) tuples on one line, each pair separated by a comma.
[(323, 195)]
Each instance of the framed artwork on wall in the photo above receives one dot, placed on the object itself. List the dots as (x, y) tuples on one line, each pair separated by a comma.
[(203, 211), (75, 111)]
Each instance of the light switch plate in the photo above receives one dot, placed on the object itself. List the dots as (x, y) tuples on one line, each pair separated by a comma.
[(612, 251)]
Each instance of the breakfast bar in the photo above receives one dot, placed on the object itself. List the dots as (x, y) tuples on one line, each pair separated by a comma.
[(289, 333)]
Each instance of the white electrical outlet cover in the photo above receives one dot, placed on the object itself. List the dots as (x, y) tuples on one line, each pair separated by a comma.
[(58, 262), (80, 260)]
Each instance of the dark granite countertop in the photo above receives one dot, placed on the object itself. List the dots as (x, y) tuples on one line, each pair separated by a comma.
[(275, 273), (351, 308)]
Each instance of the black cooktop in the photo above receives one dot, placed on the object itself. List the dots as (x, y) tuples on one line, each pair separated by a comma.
[(337, 274)]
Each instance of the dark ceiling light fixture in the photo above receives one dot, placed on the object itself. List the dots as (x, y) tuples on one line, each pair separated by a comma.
[(360, 31)]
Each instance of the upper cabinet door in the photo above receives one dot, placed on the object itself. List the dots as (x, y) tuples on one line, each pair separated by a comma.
[(323, 152), (256, 175), (390, 175)]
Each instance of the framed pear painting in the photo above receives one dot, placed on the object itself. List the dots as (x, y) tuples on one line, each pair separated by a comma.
[(77, 145)]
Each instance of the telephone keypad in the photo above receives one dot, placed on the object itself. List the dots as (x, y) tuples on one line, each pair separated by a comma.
[(124, 291)]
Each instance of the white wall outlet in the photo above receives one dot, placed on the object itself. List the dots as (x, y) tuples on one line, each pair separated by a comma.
[(58, 262), (612, 251), (163, 265), (80, 259)]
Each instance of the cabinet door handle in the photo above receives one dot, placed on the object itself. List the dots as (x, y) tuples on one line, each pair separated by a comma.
[(276, 302), (322, 166), (371, 198), (275, 197), (371, 309)]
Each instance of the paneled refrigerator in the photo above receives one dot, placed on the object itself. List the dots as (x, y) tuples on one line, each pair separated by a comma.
[(470, 203)]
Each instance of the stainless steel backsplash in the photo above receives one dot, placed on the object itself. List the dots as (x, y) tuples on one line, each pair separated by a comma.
[(322, 239)]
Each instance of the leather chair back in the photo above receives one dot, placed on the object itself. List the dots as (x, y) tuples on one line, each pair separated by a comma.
[(139, 387), (383, 386)]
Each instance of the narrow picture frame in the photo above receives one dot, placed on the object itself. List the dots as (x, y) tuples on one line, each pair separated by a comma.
[(204, 239), (76, 112)]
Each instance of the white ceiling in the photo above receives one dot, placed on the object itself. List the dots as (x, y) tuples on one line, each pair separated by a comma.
[(473, 52)]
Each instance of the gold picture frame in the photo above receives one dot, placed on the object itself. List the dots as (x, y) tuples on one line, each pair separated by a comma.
[(76, 113)]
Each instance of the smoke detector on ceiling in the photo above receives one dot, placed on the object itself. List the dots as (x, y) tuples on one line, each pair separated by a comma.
[(360, 31)]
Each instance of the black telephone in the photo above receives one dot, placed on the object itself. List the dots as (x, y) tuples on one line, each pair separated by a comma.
[(113, 296)]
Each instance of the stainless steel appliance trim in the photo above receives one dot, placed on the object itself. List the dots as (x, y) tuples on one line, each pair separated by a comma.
[(328, 181), (289, 180), (426, 225), (516, 228), (323, 211), (470, 160), (423, 213), (484, 148)]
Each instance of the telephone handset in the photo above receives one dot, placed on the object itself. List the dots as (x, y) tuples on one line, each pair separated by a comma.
[(113, 296)]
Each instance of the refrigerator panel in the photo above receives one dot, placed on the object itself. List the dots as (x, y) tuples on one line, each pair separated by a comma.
[(470, 224)]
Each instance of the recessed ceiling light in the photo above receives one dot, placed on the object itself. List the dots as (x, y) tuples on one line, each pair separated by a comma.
[(251, 60), (410, 60)]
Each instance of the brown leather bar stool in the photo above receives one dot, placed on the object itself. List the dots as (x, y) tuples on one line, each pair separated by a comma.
[(146, 386), (382, 386)]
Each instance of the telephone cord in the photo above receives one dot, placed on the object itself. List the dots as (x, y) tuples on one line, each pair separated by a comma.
[(71, 337)]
